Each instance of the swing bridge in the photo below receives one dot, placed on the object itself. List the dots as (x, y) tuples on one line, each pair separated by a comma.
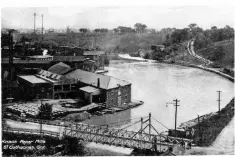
[(142, 140)]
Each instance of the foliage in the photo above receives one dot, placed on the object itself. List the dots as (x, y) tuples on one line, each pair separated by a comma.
[(45, 111), (140, 28), (83, 30), (101, 30), (73, 146)]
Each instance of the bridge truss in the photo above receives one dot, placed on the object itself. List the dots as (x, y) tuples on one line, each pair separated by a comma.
[(124, 138)]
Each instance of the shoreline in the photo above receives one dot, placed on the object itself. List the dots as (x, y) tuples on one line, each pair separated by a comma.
[(212, 129), (183, 64)]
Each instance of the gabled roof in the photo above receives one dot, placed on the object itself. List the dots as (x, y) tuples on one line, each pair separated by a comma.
[(59, 68), (106, 82)]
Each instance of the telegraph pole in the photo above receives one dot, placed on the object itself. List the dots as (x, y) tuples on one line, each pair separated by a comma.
[(34, 22), (176, 101), (42, 26), (176, 106), (219, 100)]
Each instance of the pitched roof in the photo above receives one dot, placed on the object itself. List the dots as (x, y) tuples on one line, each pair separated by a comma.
[(59, 68), (106, 82), (33, 79)]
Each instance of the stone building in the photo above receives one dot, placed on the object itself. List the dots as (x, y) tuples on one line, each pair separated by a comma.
[(91, 87), (97, 56), (46, 84), (102, 88)]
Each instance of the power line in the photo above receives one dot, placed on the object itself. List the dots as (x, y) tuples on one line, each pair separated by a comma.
[(160, 123), (119, 121)]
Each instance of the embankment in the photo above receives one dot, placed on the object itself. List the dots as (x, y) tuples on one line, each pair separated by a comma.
[(208, 127)]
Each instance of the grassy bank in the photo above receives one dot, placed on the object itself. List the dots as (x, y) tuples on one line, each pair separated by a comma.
[(209, 126)]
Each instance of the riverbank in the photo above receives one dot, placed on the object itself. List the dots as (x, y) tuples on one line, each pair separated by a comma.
[(126, 57), (213, 123), (209, 126)]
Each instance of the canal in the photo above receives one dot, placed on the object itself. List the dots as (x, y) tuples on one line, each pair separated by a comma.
[(159, 84)]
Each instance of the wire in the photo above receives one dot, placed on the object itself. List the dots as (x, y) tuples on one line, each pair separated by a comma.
[(120, 121), (160, 123)]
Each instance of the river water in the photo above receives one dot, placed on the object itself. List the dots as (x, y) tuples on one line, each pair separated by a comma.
[(158, 85)]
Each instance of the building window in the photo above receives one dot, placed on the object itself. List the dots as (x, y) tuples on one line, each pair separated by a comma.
[(119, 91), (73, 87)]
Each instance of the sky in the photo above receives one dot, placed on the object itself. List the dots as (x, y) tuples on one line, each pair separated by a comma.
[(156, 17)]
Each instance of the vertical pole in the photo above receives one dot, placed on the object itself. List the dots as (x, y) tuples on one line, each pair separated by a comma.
[(42, 26), (150, 126), (176, 106), (219, 100), (34, 22), (10, 61), (141, 121), (41, 121)]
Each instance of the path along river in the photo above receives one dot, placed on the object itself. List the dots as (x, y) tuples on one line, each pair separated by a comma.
[(158, 84)]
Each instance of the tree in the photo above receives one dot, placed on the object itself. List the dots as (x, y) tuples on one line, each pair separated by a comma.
[(73, 146), (140, 28), (83, 30), (123, 29), (192, 26), (45, 111), (97, 30), (115, 30)]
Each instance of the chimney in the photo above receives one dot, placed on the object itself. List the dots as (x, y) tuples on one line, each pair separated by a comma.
[(98, 82)]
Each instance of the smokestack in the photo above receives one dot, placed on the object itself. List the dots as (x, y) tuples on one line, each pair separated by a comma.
[(98, 82), (34, 22)]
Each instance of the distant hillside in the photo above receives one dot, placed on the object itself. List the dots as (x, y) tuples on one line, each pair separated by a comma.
[(222, 53)]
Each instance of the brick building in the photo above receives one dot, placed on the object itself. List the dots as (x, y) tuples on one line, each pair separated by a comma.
[(45, 84), (102, 88), (91, 87)]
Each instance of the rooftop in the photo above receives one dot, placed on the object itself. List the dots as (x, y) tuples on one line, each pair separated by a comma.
[(33, 79), (59, 68), (40, 56), (106, 82)]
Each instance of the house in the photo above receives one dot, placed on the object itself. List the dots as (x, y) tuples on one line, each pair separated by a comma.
[(97, 56), (46, 84), (102, 88), (72, 61)]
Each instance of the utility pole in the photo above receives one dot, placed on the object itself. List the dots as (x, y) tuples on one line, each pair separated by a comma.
[(176, 107), (150, 125), (41, 121), (42, 26), (219, 100), (10, 33), (34, 22)]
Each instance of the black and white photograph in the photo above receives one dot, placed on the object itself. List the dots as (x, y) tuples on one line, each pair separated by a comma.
[(117, 80)]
